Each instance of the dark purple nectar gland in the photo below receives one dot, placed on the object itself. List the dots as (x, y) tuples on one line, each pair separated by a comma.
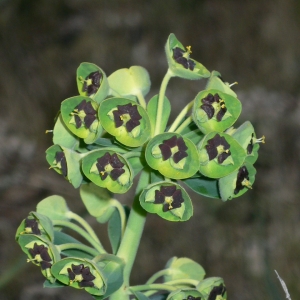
[(217, 291), (82, 275), (254, 141), (182, 57), (32, 226), (218, 147), (213, 103), (61, 162), (91, 83), (127, 115), (169, 197), (173, 147), (110, 165), (85, 113), (242, 180), (40, 255)]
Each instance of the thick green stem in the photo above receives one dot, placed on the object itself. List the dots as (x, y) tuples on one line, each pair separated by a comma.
[(83, 233), (158, 274), (141, 99), (184, 124), (161, 97), (131, 238)]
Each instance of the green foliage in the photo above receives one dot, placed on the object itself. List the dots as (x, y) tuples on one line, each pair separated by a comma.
[(102, 139)]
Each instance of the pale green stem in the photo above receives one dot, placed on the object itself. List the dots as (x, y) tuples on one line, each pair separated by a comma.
[(154, 286), (131, 238), (162, 91), (131, 154), (82, 247), (84, 224), (184, 124), (120, 208), (190, 282), (141, 99), (83, 233), (180, 117), (158, 274)]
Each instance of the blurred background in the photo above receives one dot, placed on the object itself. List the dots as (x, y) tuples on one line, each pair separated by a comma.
[(253, 42)]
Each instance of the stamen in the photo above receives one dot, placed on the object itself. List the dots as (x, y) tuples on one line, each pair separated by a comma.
[(188, 48), (247, 183), (230, 85), (260, 140)]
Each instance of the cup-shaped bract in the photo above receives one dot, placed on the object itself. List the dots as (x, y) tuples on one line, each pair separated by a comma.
[(133, 81), (212, 288), (80, 115), (126, 120), (185, 294), (108, 169), (215, 111), (168, 200), (183, 268), (172, 155), (37, 224), (80, 274), (180, 63), (92, 81), (238, 182), (220, 154), (65, 162), (40, 252), (246, 137), (216, 82)]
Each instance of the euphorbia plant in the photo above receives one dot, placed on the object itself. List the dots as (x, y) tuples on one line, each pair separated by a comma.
[(108, 136)]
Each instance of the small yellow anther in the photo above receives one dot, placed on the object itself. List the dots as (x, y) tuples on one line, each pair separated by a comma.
[(188, 48), (47, 131), (230, 85)]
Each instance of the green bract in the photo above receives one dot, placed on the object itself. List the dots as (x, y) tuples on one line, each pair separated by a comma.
[(66, 162), (172, 155), (167, 199), (180, 63), (238, 182), (80, 115), (246, 137), (183, 268), (212, 288), (216, 82), (215, 111), (133, 81), (220, 155), (40, 252), (126, 120), (185, 294), (80, 274), (92, 82), (108, 169)]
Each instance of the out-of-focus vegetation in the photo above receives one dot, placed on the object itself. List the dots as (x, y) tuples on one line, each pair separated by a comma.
[(253, 42)]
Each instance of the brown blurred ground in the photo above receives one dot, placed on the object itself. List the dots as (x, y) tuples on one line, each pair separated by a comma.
[(253, 42)]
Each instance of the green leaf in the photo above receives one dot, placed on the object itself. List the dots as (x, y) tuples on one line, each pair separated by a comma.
[(207, 123), (152, 112), (132, 81), (205, 287), (215, 82), (63, 136), (54, 207), (83, 71), (115, 231), (140, 296), (204, 186), (138, 135), (186, 167), (149, 195), (137, 164), (98, 201), (183, 268), (177, 69)]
